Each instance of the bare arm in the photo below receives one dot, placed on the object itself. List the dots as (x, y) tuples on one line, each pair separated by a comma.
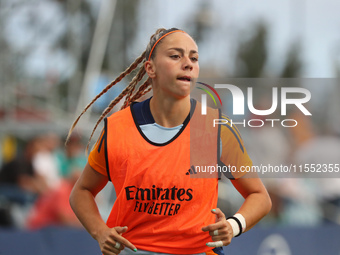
[(82, 201), (256, 205), (257, 201)]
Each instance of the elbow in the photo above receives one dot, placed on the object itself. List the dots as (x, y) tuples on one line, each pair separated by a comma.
[(267, 204), (71, 199)]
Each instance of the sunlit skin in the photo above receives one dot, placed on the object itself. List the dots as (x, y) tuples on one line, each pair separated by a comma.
[(176, 59)]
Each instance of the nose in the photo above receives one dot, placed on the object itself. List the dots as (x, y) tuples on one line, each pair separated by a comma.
[(187, 65)]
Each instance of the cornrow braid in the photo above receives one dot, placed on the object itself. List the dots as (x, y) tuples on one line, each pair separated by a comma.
[(105, 112), (128, 90), (118, 79), (143, 89), (139, 76)]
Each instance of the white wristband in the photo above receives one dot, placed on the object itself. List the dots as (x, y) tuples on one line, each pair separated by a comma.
[(236, 225), (242, 220)]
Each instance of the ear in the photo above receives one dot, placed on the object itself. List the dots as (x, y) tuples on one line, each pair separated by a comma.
[(150, 68)]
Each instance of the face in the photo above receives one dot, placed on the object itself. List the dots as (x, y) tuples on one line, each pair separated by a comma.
[(175, 66)]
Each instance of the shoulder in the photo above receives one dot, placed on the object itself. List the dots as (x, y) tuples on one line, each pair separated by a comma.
[(140, 111), (120, 114), (204, 111), (230, 133)]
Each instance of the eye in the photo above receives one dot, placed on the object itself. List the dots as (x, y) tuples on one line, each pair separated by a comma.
[(194, 59), (174, 56)]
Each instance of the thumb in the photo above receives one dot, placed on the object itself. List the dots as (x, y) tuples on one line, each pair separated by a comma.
[(219, 214), (121, 230)]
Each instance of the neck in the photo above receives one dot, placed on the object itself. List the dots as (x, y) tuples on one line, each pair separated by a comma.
[(169, 112)]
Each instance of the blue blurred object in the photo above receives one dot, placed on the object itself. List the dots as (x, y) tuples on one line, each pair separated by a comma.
[(258, 241), (287, 241), (52, 241)]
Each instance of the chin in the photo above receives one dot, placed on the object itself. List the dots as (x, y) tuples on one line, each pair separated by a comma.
[(182, 95)]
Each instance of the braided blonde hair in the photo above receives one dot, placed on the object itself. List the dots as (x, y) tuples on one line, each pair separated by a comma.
[(130, 92)]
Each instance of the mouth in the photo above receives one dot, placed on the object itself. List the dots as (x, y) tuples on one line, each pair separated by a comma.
[(185, 78)]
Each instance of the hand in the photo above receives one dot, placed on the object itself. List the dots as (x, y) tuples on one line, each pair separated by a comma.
[(222, 228), (109, 237)]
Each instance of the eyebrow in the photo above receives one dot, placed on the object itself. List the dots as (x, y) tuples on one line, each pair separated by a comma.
[(182, 51)]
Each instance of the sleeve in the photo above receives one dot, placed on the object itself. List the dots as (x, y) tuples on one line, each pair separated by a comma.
[(233, 152), (97, 157)]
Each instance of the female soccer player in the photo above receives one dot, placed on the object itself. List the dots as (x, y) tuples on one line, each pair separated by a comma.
[(144, 150)]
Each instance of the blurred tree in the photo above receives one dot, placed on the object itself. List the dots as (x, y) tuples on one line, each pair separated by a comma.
[(10, 68), (252, 54), (292, 68), (76, 41), (293, 65), (4, 59), (202, 23), (122, 36)]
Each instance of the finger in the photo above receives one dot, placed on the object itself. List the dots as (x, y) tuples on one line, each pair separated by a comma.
[(225, 238), (116, 251), (214, 226), (215, 233), (116, 248), (117, 245), (111, 249), (219, 232), (217, 238), (121, 230), (219, 214), (125, 242), (215, 244), (109, 252)]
